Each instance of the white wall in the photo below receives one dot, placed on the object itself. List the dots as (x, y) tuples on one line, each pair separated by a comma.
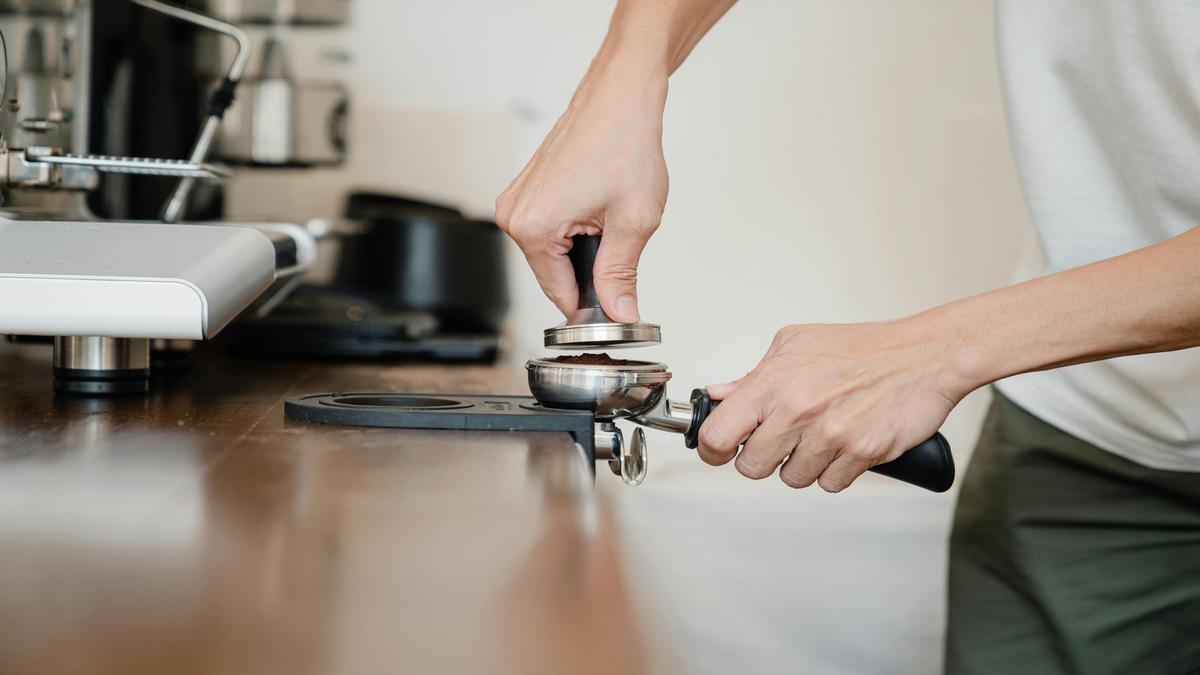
[(831, 160)]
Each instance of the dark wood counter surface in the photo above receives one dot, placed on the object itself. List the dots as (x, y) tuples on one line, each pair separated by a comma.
[(197, 530)]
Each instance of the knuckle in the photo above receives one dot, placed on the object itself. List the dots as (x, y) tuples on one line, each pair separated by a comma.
[(519, 225), (503, 209), (833, 433), (642, 217), (784, 334), (618, 273), (778, 339), (860, 452), (647, 222), (526, 232)]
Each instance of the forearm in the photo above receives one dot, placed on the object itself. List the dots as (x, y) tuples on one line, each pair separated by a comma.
[(648, 40), (670, 27), (1145, 301)]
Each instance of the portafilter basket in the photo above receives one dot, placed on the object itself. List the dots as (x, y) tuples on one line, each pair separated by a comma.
[(608, 391)]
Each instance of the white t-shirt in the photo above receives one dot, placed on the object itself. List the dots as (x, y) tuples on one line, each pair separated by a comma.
[(1104, 107)]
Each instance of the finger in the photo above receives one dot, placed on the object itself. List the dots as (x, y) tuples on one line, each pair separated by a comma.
[(730, 425), (768, 446), (843, 471), (720, 392), (615, 272), (807, 462), (546, 247), (556, 277)]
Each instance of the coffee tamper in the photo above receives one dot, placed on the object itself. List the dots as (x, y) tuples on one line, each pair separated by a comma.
[(589, 327)]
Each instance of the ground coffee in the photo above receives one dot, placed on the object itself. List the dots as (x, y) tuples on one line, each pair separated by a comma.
[(594, 360)]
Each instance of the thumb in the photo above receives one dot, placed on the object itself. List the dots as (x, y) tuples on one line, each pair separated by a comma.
[(615, 274), (720, 392)]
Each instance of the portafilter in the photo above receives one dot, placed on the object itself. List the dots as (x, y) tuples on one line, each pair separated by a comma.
[(636, 391)]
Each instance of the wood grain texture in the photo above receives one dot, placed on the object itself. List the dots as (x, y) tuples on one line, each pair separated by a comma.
[(198, 531)]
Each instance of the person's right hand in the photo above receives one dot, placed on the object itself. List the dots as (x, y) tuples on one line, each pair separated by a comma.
[(599, 171)]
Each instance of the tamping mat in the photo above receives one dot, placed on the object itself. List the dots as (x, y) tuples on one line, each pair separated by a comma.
[(442, 411)]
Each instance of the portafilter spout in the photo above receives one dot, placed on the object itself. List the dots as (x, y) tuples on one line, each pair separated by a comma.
[(636, 390)]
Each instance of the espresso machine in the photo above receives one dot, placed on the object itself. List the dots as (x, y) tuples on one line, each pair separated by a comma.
[(118, 127)]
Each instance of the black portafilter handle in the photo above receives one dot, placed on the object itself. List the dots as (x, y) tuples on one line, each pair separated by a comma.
[(929, 465), (583, 258)]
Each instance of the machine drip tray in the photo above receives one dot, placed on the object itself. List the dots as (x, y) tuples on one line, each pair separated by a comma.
[(441, 411)]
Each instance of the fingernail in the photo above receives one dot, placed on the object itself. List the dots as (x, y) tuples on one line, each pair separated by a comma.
[(627, 306)]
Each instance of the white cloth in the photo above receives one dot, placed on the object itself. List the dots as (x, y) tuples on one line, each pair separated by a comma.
[(1104, 108)]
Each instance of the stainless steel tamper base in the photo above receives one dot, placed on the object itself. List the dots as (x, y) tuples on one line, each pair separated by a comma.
[(590, 328)]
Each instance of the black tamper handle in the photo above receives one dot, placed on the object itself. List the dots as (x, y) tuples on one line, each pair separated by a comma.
[(929, 465), (583, 258)]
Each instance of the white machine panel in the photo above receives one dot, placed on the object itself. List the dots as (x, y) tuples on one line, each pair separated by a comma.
[(128, 279)]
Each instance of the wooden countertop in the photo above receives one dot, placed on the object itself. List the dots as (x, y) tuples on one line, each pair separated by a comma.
[(197, 530)]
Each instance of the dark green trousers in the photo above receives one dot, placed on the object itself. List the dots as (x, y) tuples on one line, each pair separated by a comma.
[(1068, 559)]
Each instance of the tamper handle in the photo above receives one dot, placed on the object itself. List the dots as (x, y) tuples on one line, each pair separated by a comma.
[(583, 258), (929, 465)]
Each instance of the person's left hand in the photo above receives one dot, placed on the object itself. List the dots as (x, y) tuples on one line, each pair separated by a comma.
[(830, 401)]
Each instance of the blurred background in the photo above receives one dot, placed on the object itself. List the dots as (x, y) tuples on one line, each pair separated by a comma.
[(830, 161)]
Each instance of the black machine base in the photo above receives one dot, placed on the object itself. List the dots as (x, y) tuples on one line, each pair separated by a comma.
[(101, 382), (325, 323), (442, 411)]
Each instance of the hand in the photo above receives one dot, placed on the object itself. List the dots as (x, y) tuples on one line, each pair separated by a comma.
[(600, 171), (830, 401)]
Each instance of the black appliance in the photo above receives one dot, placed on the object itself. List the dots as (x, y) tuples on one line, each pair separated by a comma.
[(414, 281)]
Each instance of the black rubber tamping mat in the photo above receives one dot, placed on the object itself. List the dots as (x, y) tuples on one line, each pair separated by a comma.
[(442, 411)]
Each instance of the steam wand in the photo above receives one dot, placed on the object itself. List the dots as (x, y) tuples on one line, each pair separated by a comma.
[(220, 101)]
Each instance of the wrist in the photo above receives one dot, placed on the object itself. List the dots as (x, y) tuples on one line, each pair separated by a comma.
[(964, 365), (633, 63), (626, 79)]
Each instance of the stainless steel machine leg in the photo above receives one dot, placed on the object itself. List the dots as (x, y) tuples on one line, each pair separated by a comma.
[(101, 365)]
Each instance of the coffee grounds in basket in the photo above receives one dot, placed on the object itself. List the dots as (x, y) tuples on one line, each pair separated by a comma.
[(594, 360)]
